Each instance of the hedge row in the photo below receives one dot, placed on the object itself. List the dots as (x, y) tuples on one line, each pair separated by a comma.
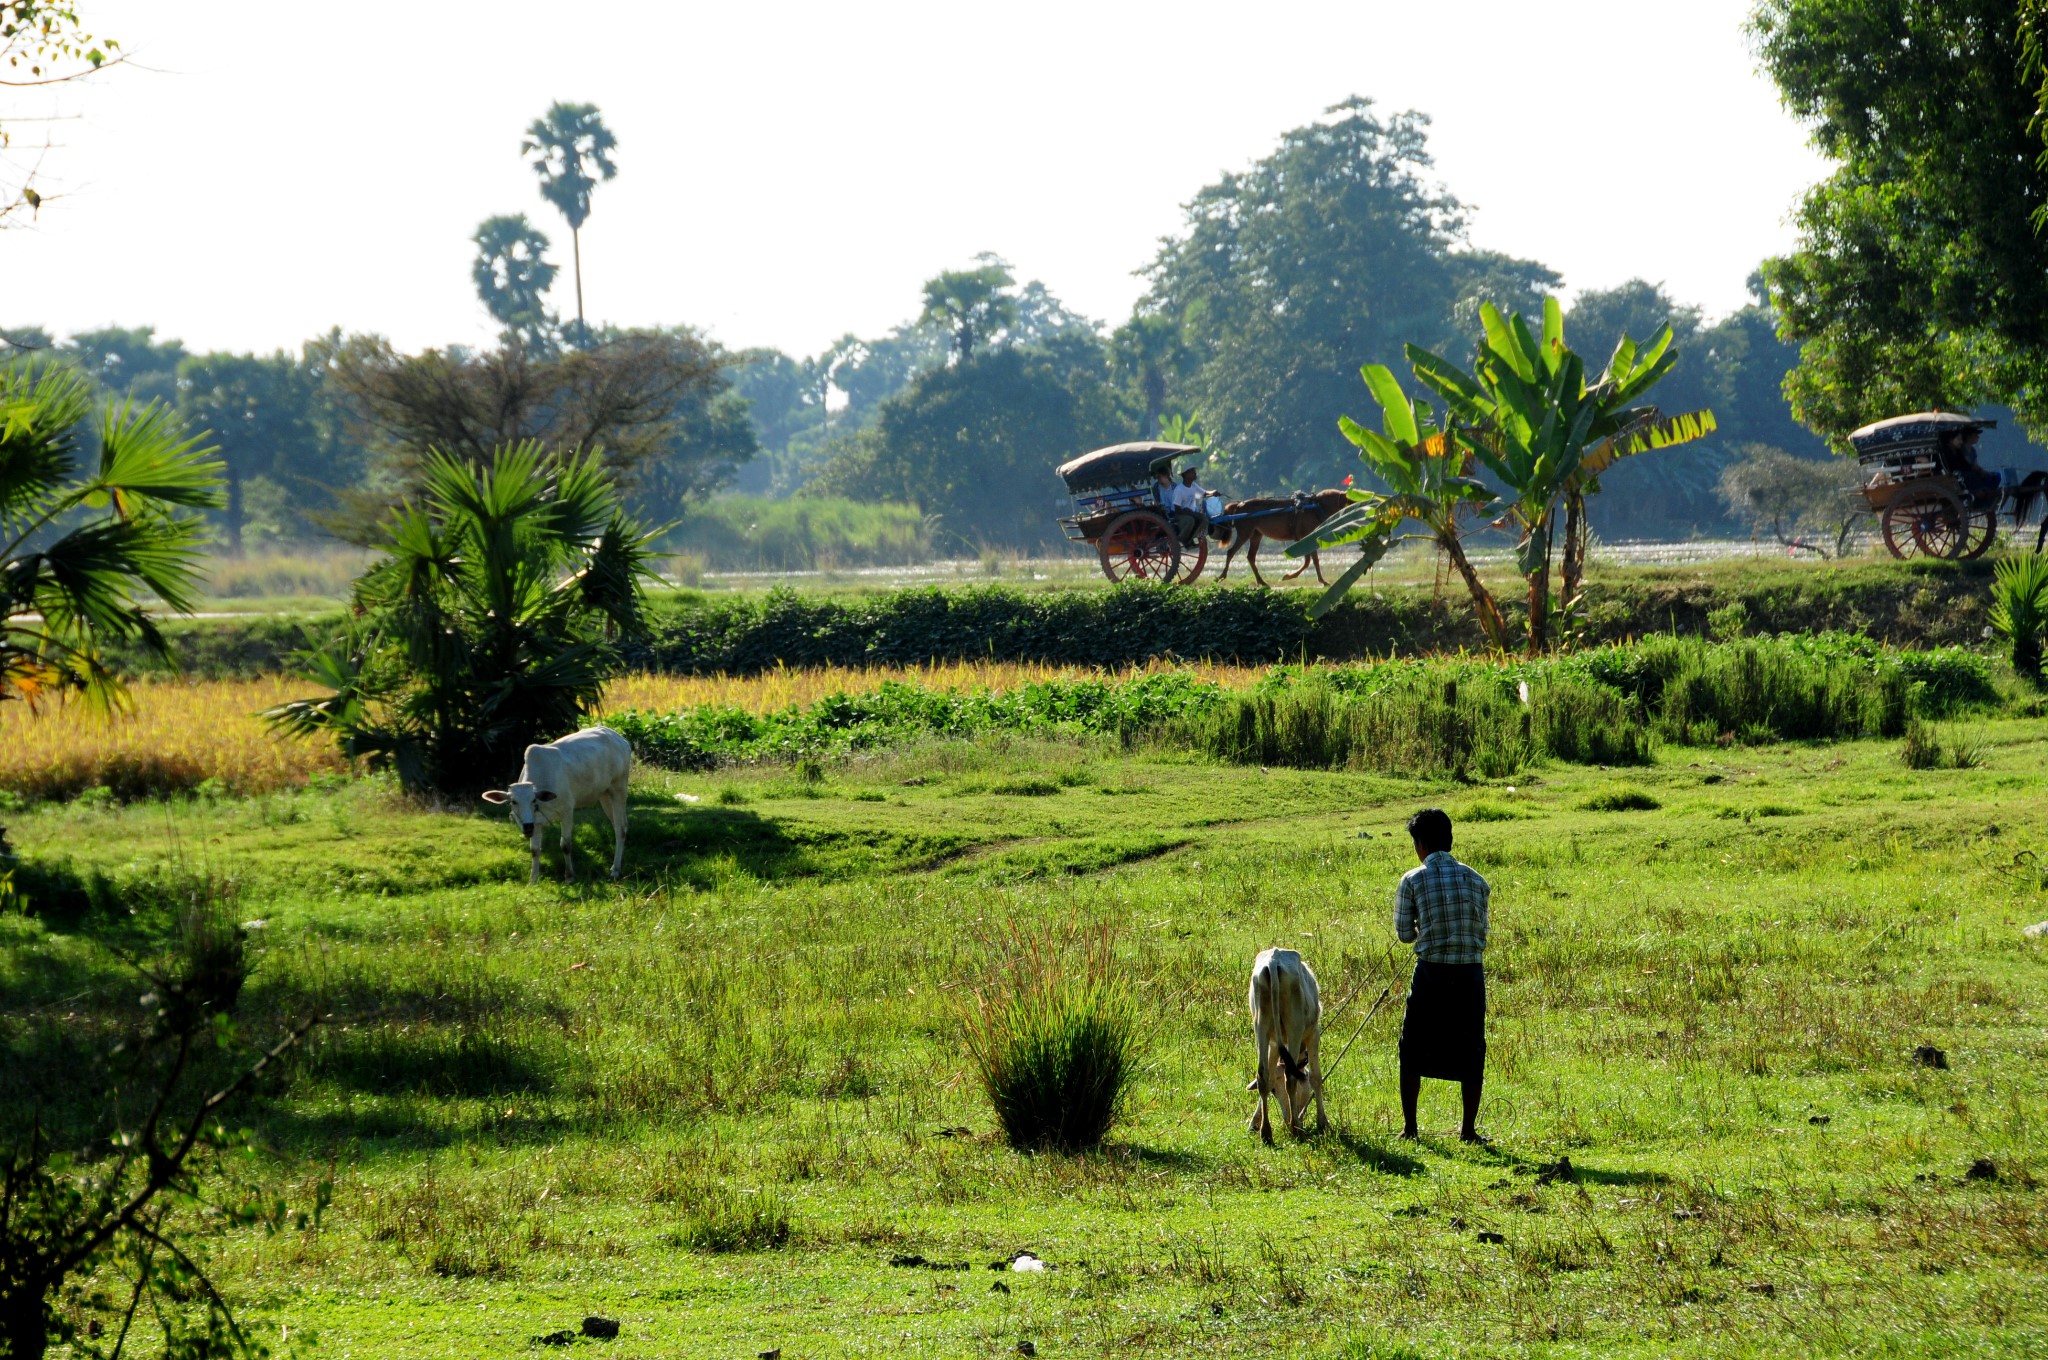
[(1914, 604)]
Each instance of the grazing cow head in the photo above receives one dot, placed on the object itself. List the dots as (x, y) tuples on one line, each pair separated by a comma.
[(523, 800)]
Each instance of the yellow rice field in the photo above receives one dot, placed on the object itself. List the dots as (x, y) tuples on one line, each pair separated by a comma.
[(183, 733), (779, 689)]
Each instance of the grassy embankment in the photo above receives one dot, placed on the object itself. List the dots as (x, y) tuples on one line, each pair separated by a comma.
[(532, 1099)]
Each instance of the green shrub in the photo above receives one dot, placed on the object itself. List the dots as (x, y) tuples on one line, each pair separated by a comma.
[(1588, 724), (1623, 799), (1419, 725), (1054, 1037), (721, 1220)]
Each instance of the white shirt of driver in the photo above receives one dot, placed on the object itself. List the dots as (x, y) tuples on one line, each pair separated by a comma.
[(1185, 497)]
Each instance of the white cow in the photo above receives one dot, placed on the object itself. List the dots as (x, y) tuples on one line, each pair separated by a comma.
[(591, 766), (1287, 1015)]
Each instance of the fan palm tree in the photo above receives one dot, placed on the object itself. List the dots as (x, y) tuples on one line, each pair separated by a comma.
[(512, 274), (86, 540), (490, 622), (571, 150)]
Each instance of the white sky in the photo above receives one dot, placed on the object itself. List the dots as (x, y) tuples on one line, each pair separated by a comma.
[(791, 172)]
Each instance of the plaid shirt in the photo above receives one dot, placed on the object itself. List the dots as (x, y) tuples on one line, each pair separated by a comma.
[(1441, 907)]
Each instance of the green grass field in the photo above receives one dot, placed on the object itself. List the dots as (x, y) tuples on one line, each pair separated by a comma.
[(541, 1102)]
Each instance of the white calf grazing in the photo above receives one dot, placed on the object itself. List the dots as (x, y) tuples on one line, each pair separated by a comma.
[(591, 766), (1287, 1014)]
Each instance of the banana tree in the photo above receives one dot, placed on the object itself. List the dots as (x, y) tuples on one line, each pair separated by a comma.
[(1546, 432), (1426, 468)]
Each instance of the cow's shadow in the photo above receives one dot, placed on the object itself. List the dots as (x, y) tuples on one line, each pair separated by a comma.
[(695, 844)]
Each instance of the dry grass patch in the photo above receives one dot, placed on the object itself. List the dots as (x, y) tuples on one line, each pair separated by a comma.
[(180, 735)]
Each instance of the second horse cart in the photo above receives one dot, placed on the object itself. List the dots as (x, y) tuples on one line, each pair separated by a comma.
[(1920, 476)]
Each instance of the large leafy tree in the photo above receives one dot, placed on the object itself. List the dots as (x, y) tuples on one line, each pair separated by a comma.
[(1326, 255), (640, 396), (512, 275), (129, 360), (570, 149), (1919, 279), (491, 621), (1148, 351), (94, 519), (269, 416), (976, 443)]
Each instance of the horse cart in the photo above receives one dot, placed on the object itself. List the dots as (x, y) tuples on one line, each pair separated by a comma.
[(1117, 508), (1921, 479)]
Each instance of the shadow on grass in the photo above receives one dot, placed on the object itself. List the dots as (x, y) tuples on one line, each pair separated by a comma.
[(1377, 1156), (1595, 1176), (695, 844), (435, 1062), (1179, 1159)]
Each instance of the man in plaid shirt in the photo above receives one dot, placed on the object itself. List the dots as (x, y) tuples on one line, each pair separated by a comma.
[(1440, 908)]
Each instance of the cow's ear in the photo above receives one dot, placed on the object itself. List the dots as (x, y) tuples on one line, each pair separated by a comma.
[(545, 796), (497, 796)]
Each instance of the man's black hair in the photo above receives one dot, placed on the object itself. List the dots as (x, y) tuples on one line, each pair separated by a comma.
[(1431, 829)]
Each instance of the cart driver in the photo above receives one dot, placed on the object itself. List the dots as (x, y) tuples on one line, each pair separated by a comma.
[(1183, 511), (1961, 447), (1193, 498)]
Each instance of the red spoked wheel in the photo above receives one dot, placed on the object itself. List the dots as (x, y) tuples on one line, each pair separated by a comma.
[(1981, 532), (1897, 524), (1940, 525), (1193, 557), (1138, 546)]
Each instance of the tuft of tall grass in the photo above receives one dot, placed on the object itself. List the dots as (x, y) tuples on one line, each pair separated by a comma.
[(721, 1220), (1622, 798), (1924, 749), (1054, 1037)]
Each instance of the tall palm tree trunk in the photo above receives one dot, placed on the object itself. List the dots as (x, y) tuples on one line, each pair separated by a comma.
[(576, 247)]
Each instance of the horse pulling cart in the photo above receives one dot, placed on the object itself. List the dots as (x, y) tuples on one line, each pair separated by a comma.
[(1921, 479), (1117, 508)]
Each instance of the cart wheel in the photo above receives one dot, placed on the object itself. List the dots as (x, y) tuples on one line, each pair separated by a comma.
[(1982, 531), (1897, 523), (1193, 559), (1137, 546), (1940, 525)]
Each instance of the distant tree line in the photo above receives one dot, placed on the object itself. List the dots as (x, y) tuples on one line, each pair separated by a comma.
[(1332, 252)]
